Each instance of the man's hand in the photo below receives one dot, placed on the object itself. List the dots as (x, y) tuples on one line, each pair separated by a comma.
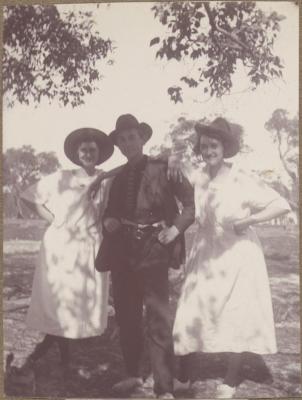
[(112, 224), (168, 234)]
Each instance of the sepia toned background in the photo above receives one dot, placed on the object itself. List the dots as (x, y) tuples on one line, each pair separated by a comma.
[(135, 71)]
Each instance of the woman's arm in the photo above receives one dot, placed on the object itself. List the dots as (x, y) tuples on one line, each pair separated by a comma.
[(274, 209), (175, 172), (41, 210), (95, 185), (113, 172)]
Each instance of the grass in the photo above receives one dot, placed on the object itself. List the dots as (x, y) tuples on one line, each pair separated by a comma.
[(98, 362)]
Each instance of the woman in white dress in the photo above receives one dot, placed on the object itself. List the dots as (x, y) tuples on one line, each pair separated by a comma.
[(69, 298), (225, 303)]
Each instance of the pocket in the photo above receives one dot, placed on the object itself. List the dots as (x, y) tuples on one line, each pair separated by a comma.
[(154, 252)]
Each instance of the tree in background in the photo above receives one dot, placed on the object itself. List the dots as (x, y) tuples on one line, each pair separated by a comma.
[(50, 55), (23, 167), (219, 36), (180, 141), (285, 133)]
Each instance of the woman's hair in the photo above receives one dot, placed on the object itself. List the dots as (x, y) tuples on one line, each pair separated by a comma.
[(87, 138)]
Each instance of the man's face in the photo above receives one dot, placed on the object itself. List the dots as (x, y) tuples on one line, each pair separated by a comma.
[(130, 143)]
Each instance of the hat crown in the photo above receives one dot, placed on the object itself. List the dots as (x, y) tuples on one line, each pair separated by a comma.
[(126, 121), (76, 137), (222, 130), (221, 124)]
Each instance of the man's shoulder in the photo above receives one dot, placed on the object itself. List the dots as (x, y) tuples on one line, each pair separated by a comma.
[(156, 163), (121, 173)]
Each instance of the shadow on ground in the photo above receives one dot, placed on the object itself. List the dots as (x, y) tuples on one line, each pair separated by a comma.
[(97, 362)]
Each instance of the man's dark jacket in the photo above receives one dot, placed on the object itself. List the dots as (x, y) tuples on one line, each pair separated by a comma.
[(155, 201)]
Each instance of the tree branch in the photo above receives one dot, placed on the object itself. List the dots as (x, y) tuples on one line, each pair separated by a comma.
[(290, 173), (229, 35)]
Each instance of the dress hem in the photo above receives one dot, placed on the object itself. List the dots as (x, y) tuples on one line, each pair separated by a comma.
[(61, 334)]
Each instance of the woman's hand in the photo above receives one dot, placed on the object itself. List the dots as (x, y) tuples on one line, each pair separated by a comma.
[(242, 225), (112, 224), (168, 234), (49, 218), (43, 212), (174, 171)]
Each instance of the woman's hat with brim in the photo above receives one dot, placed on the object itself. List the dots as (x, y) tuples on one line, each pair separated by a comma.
[(75, 138), (219, 129), (128, 121)]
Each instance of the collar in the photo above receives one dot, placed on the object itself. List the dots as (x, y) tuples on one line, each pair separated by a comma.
[(139, 164)]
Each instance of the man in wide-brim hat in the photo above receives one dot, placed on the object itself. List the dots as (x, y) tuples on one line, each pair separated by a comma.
[(143, 237)]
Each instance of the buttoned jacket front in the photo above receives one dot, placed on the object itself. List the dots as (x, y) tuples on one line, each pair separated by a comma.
[(157, 199)]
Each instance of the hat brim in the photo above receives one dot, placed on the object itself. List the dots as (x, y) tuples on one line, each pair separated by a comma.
[(230, 141), (144, 130), (75, 138)]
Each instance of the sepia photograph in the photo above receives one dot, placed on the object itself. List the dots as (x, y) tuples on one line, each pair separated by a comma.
[(150, 180)]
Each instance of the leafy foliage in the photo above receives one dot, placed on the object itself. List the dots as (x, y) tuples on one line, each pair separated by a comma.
[(50, 55), (285, 132), (219, 35), (180, 140), (23, 167)]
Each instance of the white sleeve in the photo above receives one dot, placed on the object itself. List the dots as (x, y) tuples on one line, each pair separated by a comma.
[(41, 192), (259, 195)]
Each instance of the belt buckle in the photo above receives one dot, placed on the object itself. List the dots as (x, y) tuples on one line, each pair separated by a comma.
[(138, 233)]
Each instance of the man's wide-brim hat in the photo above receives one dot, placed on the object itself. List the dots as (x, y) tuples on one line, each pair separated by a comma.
[(75, 138), (128, 121), (219, 129)]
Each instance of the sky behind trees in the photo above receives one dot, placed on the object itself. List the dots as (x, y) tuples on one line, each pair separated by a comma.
[(137, 83)]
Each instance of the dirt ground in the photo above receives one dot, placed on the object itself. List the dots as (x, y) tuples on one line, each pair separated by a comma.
[(97, 362)]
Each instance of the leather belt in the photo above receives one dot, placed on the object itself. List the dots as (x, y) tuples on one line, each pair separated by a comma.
[(138, 231), (127, 222)]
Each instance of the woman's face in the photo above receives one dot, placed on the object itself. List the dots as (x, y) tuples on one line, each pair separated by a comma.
[(211, 150), (88, 153)]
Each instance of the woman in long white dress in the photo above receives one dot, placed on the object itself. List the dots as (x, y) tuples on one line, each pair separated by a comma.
[(69, 298), (225, 303)]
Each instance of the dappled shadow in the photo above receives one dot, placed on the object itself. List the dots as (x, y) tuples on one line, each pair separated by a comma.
[(97, 362), (225, 301), (69, 297), (99, 359)]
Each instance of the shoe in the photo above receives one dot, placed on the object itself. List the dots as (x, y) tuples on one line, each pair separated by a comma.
[(181, 386), (166, 396), (149, 382), (142, 392), (225, 391), (127, 384)]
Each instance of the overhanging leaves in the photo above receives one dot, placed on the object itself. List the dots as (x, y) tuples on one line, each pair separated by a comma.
[(220, 35), (49, 55)]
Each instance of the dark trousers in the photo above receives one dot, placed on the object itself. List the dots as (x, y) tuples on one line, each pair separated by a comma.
[(132, 289)]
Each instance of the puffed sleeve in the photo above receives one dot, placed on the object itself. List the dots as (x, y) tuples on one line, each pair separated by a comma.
[(259, 195), (41, 192)]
